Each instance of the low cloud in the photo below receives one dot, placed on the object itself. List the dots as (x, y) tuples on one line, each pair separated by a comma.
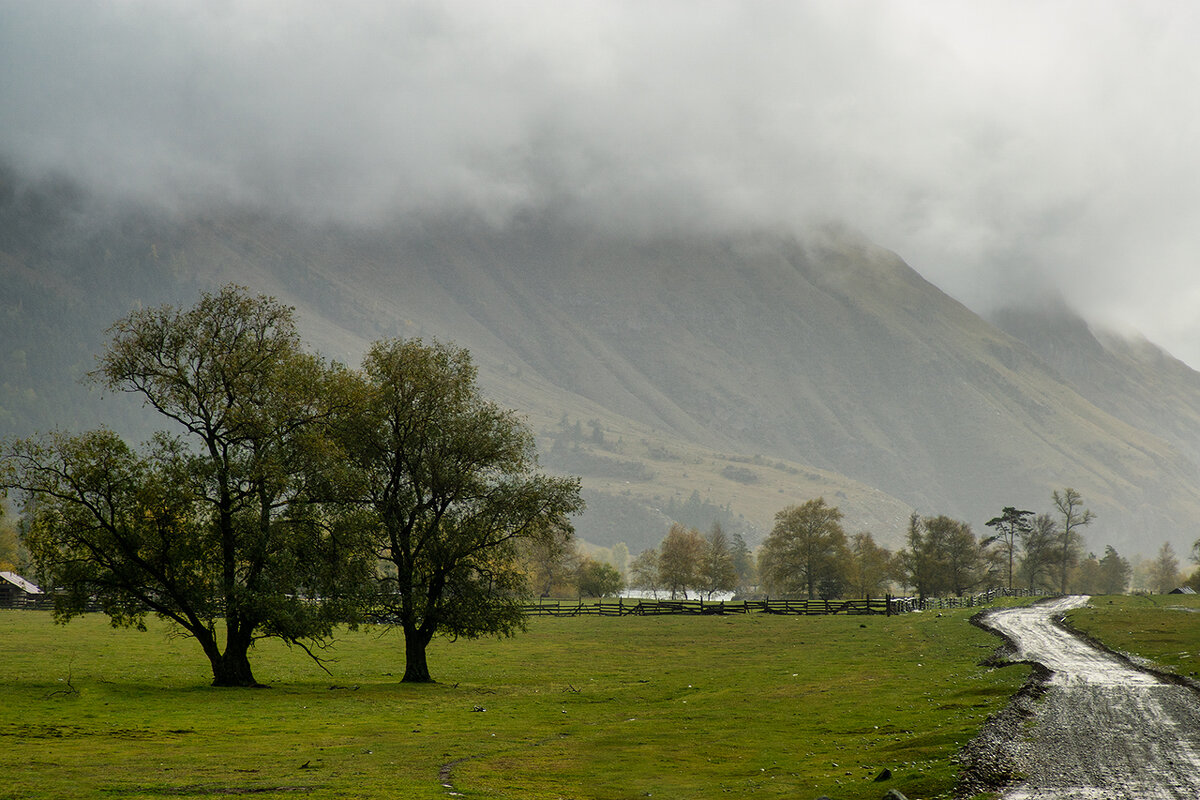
[(997, 146)]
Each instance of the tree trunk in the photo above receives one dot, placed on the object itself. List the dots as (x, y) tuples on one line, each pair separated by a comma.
[(416, 669), (233, 669)]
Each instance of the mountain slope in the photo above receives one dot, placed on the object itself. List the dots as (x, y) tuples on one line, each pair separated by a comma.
[(754, 370)]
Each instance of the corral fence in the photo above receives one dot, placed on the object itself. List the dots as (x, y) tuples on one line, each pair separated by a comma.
[(642, 607)]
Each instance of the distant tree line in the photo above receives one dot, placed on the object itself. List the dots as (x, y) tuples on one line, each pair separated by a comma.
[(690, 564), (808, 554)]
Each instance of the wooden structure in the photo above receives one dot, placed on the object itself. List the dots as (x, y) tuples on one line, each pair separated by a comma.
[(16, 592)]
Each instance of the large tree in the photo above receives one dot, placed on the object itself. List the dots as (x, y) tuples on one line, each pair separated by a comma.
[(806, 552), (1009, 525), (219, 529), (451, 482), (1074, 516)]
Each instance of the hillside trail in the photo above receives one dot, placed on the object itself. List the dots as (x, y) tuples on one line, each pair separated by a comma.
[(1103, 728)]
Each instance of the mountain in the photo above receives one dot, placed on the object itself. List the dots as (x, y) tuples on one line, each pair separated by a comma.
[(709, 375)]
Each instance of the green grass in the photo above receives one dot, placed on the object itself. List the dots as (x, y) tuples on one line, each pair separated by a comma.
[(1164, 629), (669, 707)]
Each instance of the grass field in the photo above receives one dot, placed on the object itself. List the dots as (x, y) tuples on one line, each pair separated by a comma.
[(1164, 629), (678, 707)]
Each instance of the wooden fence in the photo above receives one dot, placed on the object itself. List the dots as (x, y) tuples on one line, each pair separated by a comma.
[(888, 605)]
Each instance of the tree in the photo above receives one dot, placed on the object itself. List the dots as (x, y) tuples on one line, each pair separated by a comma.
[(620, 557), (717, 571), (450, 482), (871, 566), (961, 559), (552, 563), (228, 535), (598, 579), (1010, 525), (10, 542), (1164, 570), (679, 560), (644, 572), (743, 563), (1039, 552), (1088, 576), (1115, 572), (942, 556), (806, 551), (1070, 505)]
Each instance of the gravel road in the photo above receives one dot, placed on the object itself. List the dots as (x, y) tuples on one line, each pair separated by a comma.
[(1102, 728)]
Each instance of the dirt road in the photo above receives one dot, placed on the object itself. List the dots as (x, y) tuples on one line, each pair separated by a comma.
[(1103, 729)]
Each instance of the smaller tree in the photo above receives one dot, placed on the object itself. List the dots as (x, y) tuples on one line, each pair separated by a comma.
[(1115, 572), (679, 560), (598, 579), (717, 571), (1039, 553), (1164, 570), (1073, 516), (806, 552), (644, 571), (1088, 576), (743, 564), (871, 566), (962, 559), (1009, 526), (551, 562)]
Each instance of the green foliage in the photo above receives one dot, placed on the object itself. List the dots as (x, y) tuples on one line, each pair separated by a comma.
[(644, 571), (870, 566), (743, 563), (806, 553), (1039, 546), (680, 560), (1073, 515), (1164, 570), (221, 530), (1010, 526), (449, 479), (1115, 572), (597, 579), (718, 572), (942, 557), (11, 552)]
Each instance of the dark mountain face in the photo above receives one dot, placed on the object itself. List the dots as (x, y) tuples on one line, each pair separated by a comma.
[(755, 370)]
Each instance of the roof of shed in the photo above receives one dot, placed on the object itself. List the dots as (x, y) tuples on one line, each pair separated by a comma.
[(20, 583)]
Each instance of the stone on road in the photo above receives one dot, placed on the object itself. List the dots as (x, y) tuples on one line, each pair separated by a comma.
[(1104, 729)]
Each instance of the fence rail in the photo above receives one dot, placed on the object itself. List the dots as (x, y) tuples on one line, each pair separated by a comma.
[(625, 606), (888, 605)]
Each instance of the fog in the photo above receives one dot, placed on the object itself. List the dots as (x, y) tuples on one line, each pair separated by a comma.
[(1002, 148)]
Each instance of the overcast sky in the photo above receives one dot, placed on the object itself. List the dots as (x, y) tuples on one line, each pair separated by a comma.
[(996, 146)]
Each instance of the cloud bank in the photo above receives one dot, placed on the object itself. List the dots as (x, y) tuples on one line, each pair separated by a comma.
[(1000, 146)]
